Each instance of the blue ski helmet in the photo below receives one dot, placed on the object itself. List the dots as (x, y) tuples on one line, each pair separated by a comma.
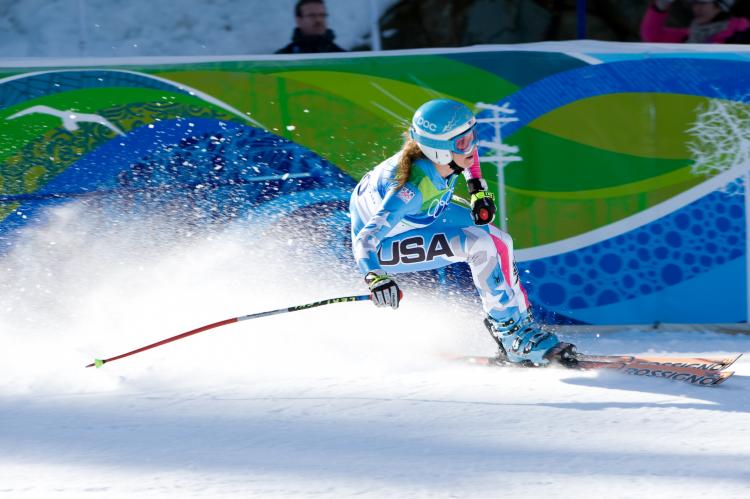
[(442, 126)]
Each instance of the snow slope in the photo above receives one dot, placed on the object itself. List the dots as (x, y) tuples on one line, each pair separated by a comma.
[(337, 401)]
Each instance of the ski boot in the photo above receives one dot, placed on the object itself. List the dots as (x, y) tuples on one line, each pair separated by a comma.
[(521, 340)]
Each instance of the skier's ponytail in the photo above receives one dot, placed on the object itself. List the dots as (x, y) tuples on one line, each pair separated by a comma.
[(409, 154)]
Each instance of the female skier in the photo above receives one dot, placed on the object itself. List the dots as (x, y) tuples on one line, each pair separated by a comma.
[(403, 221)]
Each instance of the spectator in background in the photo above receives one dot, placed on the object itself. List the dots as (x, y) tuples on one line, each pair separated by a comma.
[(711, 23), (311, 34)]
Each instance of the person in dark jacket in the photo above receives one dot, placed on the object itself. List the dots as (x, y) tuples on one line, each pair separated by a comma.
[(311, 34)]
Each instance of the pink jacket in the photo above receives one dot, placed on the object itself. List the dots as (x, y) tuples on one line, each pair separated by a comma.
[(653, 28)]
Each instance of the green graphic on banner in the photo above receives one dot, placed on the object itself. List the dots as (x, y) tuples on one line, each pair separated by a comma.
[(601, 152)]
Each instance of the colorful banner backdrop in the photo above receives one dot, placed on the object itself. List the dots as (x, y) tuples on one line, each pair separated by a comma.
[(621, 170)]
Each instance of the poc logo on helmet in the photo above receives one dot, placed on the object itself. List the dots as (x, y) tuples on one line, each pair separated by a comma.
[(426, 124)]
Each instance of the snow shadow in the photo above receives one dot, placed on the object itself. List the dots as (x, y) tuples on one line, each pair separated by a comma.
[(394, 441), (730, 396)]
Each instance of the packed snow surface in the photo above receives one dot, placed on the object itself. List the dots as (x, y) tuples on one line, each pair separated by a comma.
[(338, 401)]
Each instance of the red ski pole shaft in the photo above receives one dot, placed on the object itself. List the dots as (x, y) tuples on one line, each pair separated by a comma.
[(100, 362)]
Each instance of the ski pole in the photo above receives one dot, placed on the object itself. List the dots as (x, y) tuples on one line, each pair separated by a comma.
[(100, 362)]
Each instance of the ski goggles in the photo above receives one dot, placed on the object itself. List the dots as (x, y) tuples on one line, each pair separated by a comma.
[(462, 143)]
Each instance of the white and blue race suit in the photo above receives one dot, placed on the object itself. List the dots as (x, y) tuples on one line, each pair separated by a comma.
[(416, 227)]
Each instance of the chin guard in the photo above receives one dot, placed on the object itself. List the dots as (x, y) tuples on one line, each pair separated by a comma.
[(456, 169)]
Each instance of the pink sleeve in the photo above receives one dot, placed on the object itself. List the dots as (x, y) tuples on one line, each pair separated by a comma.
[(653, 28), (735, 25), (474, 171)]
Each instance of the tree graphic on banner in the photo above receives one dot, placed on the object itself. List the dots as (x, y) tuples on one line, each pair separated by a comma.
[(722, 141), (721, 145)]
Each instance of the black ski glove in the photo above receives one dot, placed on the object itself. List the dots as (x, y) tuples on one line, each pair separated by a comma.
[(482, 201), (384, 290)]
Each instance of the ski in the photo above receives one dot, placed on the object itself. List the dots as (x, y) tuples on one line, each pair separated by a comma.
[(710, 363), (637, 367), (629, 365)]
